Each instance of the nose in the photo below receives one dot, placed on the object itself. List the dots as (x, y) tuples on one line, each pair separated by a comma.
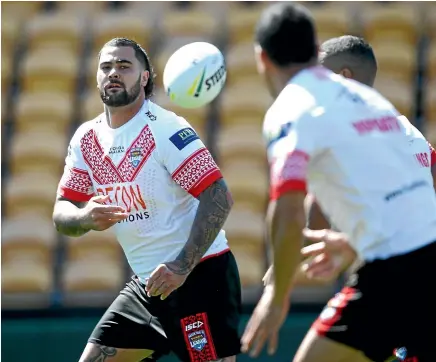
[(113, 74)]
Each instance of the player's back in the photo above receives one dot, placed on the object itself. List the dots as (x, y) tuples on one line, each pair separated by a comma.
[(369, 167)]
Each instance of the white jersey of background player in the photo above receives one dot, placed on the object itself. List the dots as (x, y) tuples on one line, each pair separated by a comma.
[(368, 197), (157, 163)]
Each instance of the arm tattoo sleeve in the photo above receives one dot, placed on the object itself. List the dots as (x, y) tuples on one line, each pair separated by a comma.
[(215, 205), (66, 219)]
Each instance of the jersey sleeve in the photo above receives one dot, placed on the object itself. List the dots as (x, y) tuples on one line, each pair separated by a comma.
[(76, 183), (290, 159), (432, 154), (186, 157)]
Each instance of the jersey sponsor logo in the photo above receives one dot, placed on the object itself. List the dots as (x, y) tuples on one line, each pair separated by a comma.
[(382, 124), (129, 197), (183, 138), (194, 325), (135, 156), (406, 189), (151, 116), (116, 149)]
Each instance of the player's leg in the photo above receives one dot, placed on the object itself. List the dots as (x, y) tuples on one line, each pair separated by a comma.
[(127, 332), (316, 348), (96, 353), (356, 325), (209, 310)]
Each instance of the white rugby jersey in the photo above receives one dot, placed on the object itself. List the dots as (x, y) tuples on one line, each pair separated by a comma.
[(154, 166), (367, 166)]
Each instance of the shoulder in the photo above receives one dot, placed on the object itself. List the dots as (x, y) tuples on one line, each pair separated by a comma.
[(85, 128), (294, 104), (165, 124)]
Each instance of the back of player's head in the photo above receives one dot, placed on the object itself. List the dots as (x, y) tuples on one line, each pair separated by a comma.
[(286, 32), (142, 57), (352, 55)]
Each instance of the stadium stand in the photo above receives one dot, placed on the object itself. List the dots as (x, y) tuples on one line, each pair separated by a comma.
[(49, 60)]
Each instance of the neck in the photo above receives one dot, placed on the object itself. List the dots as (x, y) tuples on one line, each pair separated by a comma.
[(118, 116), (285, 74)]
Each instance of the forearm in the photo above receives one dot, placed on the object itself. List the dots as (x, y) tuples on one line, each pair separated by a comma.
[(284, 229), (215, 205), (67, 218)]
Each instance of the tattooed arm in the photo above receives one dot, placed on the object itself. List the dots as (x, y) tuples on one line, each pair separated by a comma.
[(212, 212), (215, 205)]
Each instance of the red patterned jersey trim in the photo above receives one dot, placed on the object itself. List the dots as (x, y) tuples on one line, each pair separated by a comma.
[(197, 172), (76, 185), (289, 174), (104, 171)]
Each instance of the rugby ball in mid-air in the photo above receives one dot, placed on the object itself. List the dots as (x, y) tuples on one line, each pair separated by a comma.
[(194, 75)]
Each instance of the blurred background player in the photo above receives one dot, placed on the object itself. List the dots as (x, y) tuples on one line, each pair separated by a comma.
[(348, 145), (166, 198), (353, 58)]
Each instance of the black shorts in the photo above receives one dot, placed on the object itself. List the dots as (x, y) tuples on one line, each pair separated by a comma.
[(387, 306), (198, 322)]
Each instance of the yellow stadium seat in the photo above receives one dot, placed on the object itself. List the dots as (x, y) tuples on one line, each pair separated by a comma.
[(82, 8), (57, 29), (105, 240), (396, 21), (430, 20), (25, 273), (91, 69), (251, 260), (197, 117), (248, 99), (92, 106), (431, 61), (399, 93), (7, 66), (93, 267), (241, 140), (241, 23), (245, 232), (110, 25), (50, 69), (430, 102), (28, 232), (11, 29), (31, 192), (178, 22), (240, 63), (396, 59), (152, 11), (43, 111), (20, 10), (332, 19), (248, 182), (32, 151)]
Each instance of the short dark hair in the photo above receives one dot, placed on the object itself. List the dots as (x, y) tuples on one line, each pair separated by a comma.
[(286, 32), (353, 52), (142, 57)]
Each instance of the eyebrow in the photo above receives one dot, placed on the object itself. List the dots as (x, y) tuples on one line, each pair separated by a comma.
[(117, 62)]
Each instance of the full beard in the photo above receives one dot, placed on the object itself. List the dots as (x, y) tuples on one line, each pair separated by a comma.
[(121, 98)]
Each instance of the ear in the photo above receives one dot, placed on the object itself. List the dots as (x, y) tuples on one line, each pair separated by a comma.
[(144, 78), (263, 62), (345, 72)]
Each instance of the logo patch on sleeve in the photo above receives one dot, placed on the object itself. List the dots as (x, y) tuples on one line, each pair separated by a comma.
[(184, 137)]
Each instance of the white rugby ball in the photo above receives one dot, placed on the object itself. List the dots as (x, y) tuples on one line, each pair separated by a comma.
[(194, 75)]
